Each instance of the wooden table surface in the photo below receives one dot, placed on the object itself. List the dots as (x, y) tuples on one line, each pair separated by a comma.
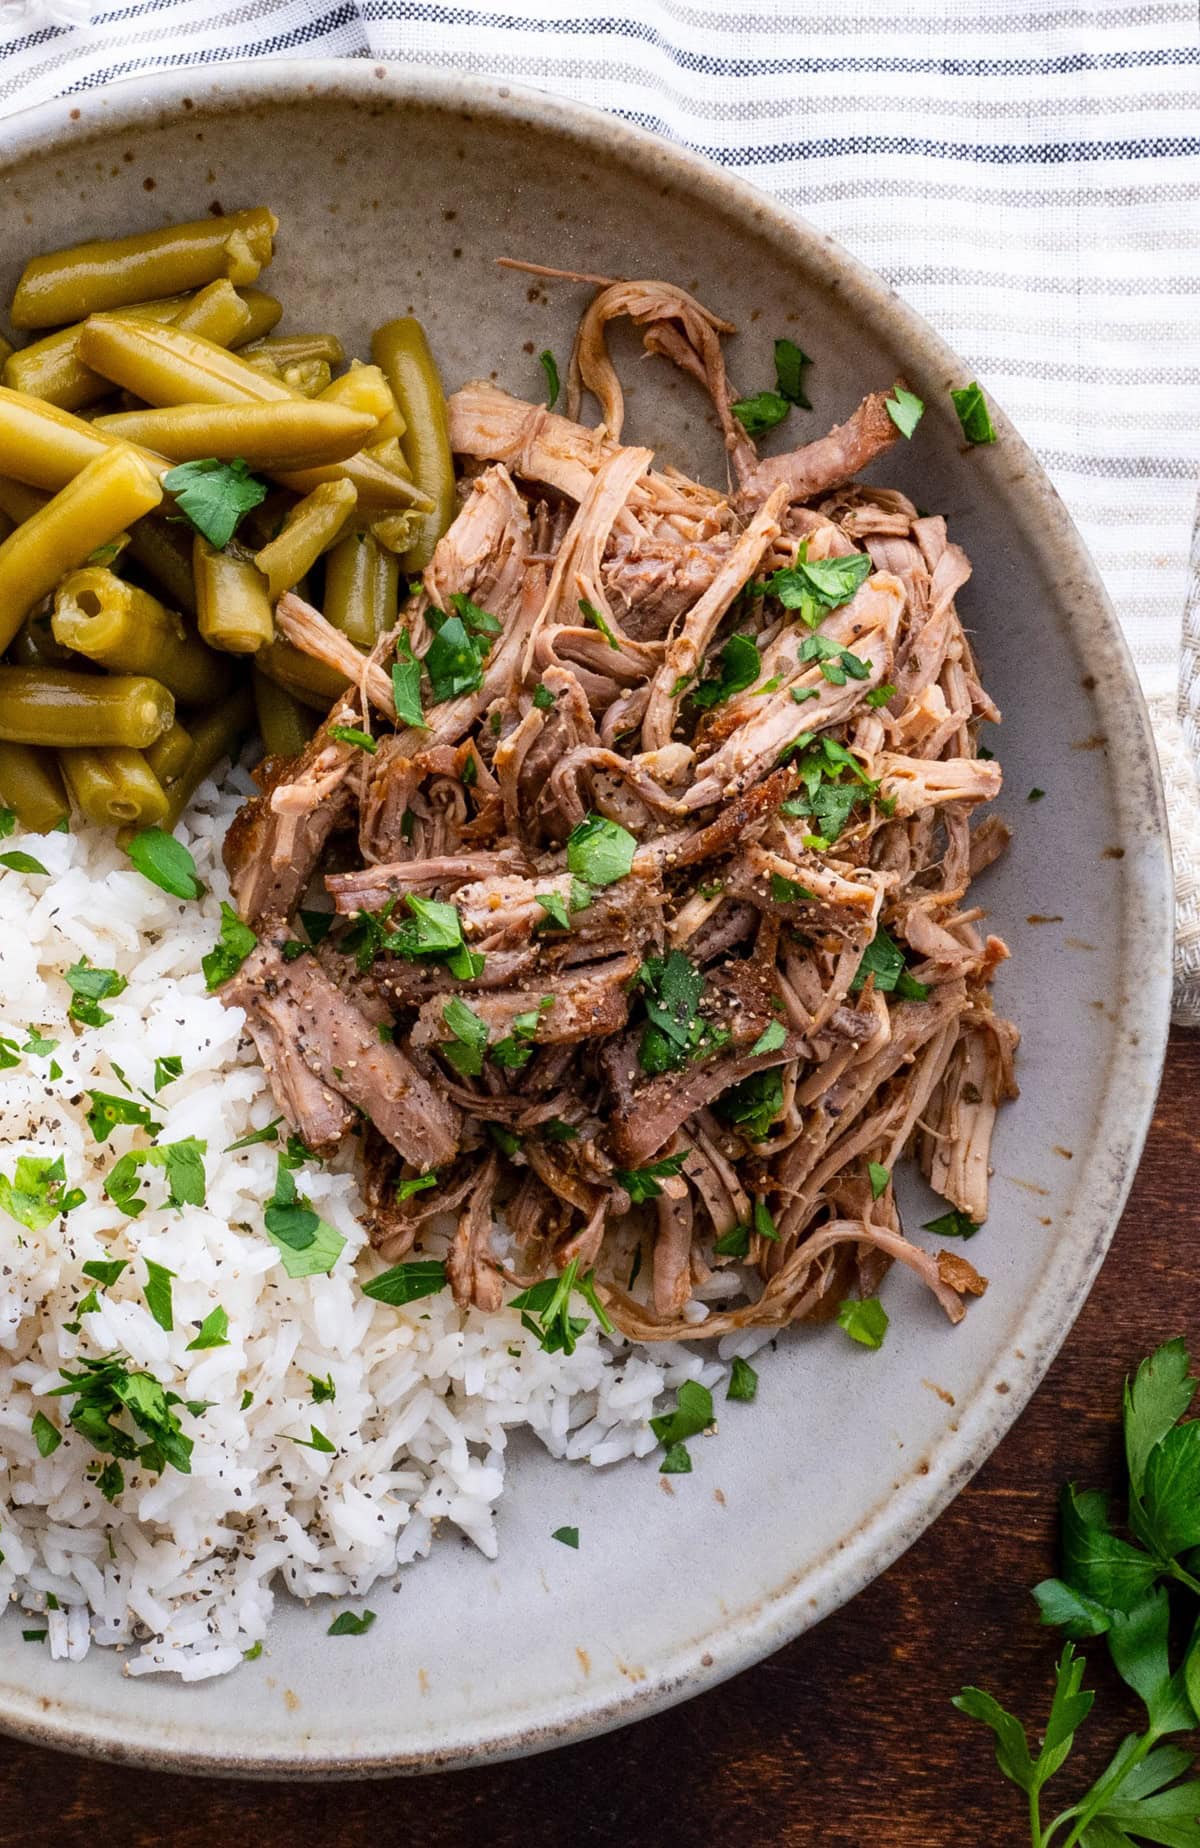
[(843, 1739)]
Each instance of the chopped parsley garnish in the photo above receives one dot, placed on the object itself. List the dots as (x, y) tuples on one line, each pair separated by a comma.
[(432, 929), (417, 1183), (235, 941), (740, 665), (789, 373), (973, 414), (733, 1244), (158, 1294), (884, 959), (825, 795), (166, 1071), (905, 410), (308, 1246), (107, 1390), (18, 862), (318, 925), (322, 1391), (760, 413), (642, 1184), (754, 1104), (36, 1044), (38, 1194), (676, 1462), (569, 1536), (165, 862), (105, 1270), (1035, 795), (772, 1037), (546, 1309), (10, 1054), (454, 659), (549, 366), (8, 822), (743, 1381), (764, 1224), (406, 684), (268, 1133), (600, 851), (184, 1165), (865, 1322), (676, 1033), (88, 988), (316, 1440), (593, 615), (554, 905), (814, 586), (46, 1436), (350, 1625), (558, 1131), (350, 734), (406, 1283), (543, 698), (108, 1110), (879, 696), (215, 495), (952, 1225), (788, 891), (469, 1037), (879, 1177), (212, 1333), (515, 1050), (693, 1413), (833, 661)]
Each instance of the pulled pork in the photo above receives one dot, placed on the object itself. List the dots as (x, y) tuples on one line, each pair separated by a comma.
[(654, 937)]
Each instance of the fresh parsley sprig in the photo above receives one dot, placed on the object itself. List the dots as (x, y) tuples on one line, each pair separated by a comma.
[(1118, 1588)]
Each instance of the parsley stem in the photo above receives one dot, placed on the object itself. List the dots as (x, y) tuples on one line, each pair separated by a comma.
[(1099, 1794), (1185, 1578), (1037, 1839)]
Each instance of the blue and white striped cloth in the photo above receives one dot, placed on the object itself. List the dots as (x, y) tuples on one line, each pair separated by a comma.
[(1025, 172)]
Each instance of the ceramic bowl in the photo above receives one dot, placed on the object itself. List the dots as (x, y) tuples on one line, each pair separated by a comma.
[(396, 192)]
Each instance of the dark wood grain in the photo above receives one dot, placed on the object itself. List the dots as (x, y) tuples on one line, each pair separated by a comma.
[(846, 1737)]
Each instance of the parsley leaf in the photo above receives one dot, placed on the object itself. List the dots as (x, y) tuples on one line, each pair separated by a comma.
[(8, 822), (600, 851), (549, 366), (753, 1104), (108, 1110), (543, 698), (158, 1294), (18, 862), (880, 696), (641, 1184), (37, 1194), (406, 683), (235, 941), (212, 1333), (105, 1390), (308, 1246), (214, 495), (569, 1536), (884, 959), (905, 410), (817, 585), (546, 1309), (951, 1225), (772, 1037), (165, 862), (677, 1033), (973, 414), (693, 1413), (743, 1381), (555, 907), (789, 373), (45, 1435), (865, 1321), (760, 413), (88, 988), (184, 1165), (593, 615), (347, 1624), (105, 1270), (417, 1183), (406, 1283), (740, 664), (676, 1462), (879, 1177), (350, 734), (469, 1038)]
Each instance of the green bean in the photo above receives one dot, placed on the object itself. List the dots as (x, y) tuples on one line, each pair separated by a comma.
[(114, 785), (232, 607), (163, 549), (284, 723), (30, 785), (364, 388), (65, 285), (215, 736), (291, 434), (361, 588), (402, 351), (217, 311), (308, 680), (51, 368), (167, 367), (34, 646), (89, 512), (265, 313), (130, 632), (55, 706), (45, 447), (169, 753), (309, 529), (285, 349), (397, 531), (17, 502)]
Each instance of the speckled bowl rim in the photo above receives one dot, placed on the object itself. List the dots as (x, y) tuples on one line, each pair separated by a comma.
[(1124, 1112)]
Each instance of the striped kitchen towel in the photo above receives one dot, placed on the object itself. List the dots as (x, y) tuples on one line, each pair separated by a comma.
[(1025, 172)]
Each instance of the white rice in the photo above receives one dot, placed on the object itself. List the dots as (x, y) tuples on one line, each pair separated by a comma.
[(180, 1573)]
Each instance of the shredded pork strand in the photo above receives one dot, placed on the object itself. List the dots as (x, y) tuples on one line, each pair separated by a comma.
[(710, 1042)]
